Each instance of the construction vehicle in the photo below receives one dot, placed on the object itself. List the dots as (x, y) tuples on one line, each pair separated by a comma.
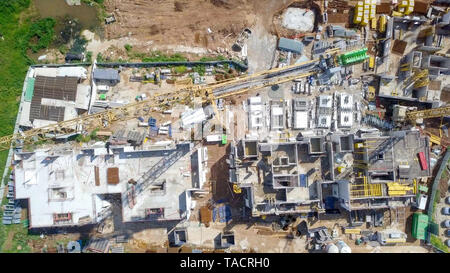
[(237, 189), (245, 34)]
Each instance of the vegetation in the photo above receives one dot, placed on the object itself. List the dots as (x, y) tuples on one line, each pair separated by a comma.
[(5, 181), (180, 69), (200, 69), (128, 47), (157, 56), (40, 34), (100, 58), (212, 59), (437, 243), (17, 36), (91, 2), (79, 45), (63, 49), (89, 56), (86, 138)]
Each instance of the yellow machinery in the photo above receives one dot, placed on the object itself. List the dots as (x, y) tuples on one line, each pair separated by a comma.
[(365, 189), (350, 230), (396, 14), (237, 189), (372, 62), (429, 113), (382, 23), (433, 138), (397, 189), (371, 93), (421, 78), (373, 23), (405, 67)]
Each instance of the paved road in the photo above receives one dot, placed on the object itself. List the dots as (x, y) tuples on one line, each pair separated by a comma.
[(266, 78)]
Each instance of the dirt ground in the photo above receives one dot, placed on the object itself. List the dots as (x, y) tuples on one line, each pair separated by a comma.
[(195, 24), (179, 22)]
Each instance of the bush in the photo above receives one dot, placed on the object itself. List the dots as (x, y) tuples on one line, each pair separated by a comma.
[(89, 56), (180, 69), (83, 138), (128, 47), (100, 58), (79, 45), (40, 34), (200, 69)]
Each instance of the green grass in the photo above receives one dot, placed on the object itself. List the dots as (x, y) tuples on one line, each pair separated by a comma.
[(39, 35), (13, 65), (19, 36), (445, 174), (212, 59), (437, 242), (5, 181), (157, 56)]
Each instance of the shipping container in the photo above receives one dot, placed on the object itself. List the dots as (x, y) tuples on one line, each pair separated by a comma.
[(423, 162)]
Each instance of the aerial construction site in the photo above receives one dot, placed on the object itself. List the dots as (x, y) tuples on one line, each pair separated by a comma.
[(300, 126)]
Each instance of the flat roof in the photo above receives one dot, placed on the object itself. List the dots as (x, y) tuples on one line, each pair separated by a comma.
[(290, 45), (300, 119), (70, 181)]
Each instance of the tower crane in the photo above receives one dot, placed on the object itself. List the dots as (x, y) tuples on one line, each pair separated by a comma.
[(104, 119)]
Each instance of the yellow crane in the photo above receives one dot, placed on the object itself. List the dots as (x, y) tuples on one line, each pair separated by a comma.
[(159, 101), (428, 113)]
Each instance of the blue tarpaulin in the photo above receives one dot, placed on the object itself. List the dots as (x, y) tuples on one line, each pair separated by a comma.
[(223, 212), (329, 202), (303, 180)]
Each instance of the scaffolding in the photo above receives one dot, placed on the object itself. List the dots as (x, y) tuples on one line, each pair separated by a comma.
[(365, 189)]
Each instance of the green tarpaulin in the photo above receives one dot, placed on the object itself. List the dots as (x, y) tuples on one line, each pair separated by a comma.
[(30, 89), (419, 226)]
